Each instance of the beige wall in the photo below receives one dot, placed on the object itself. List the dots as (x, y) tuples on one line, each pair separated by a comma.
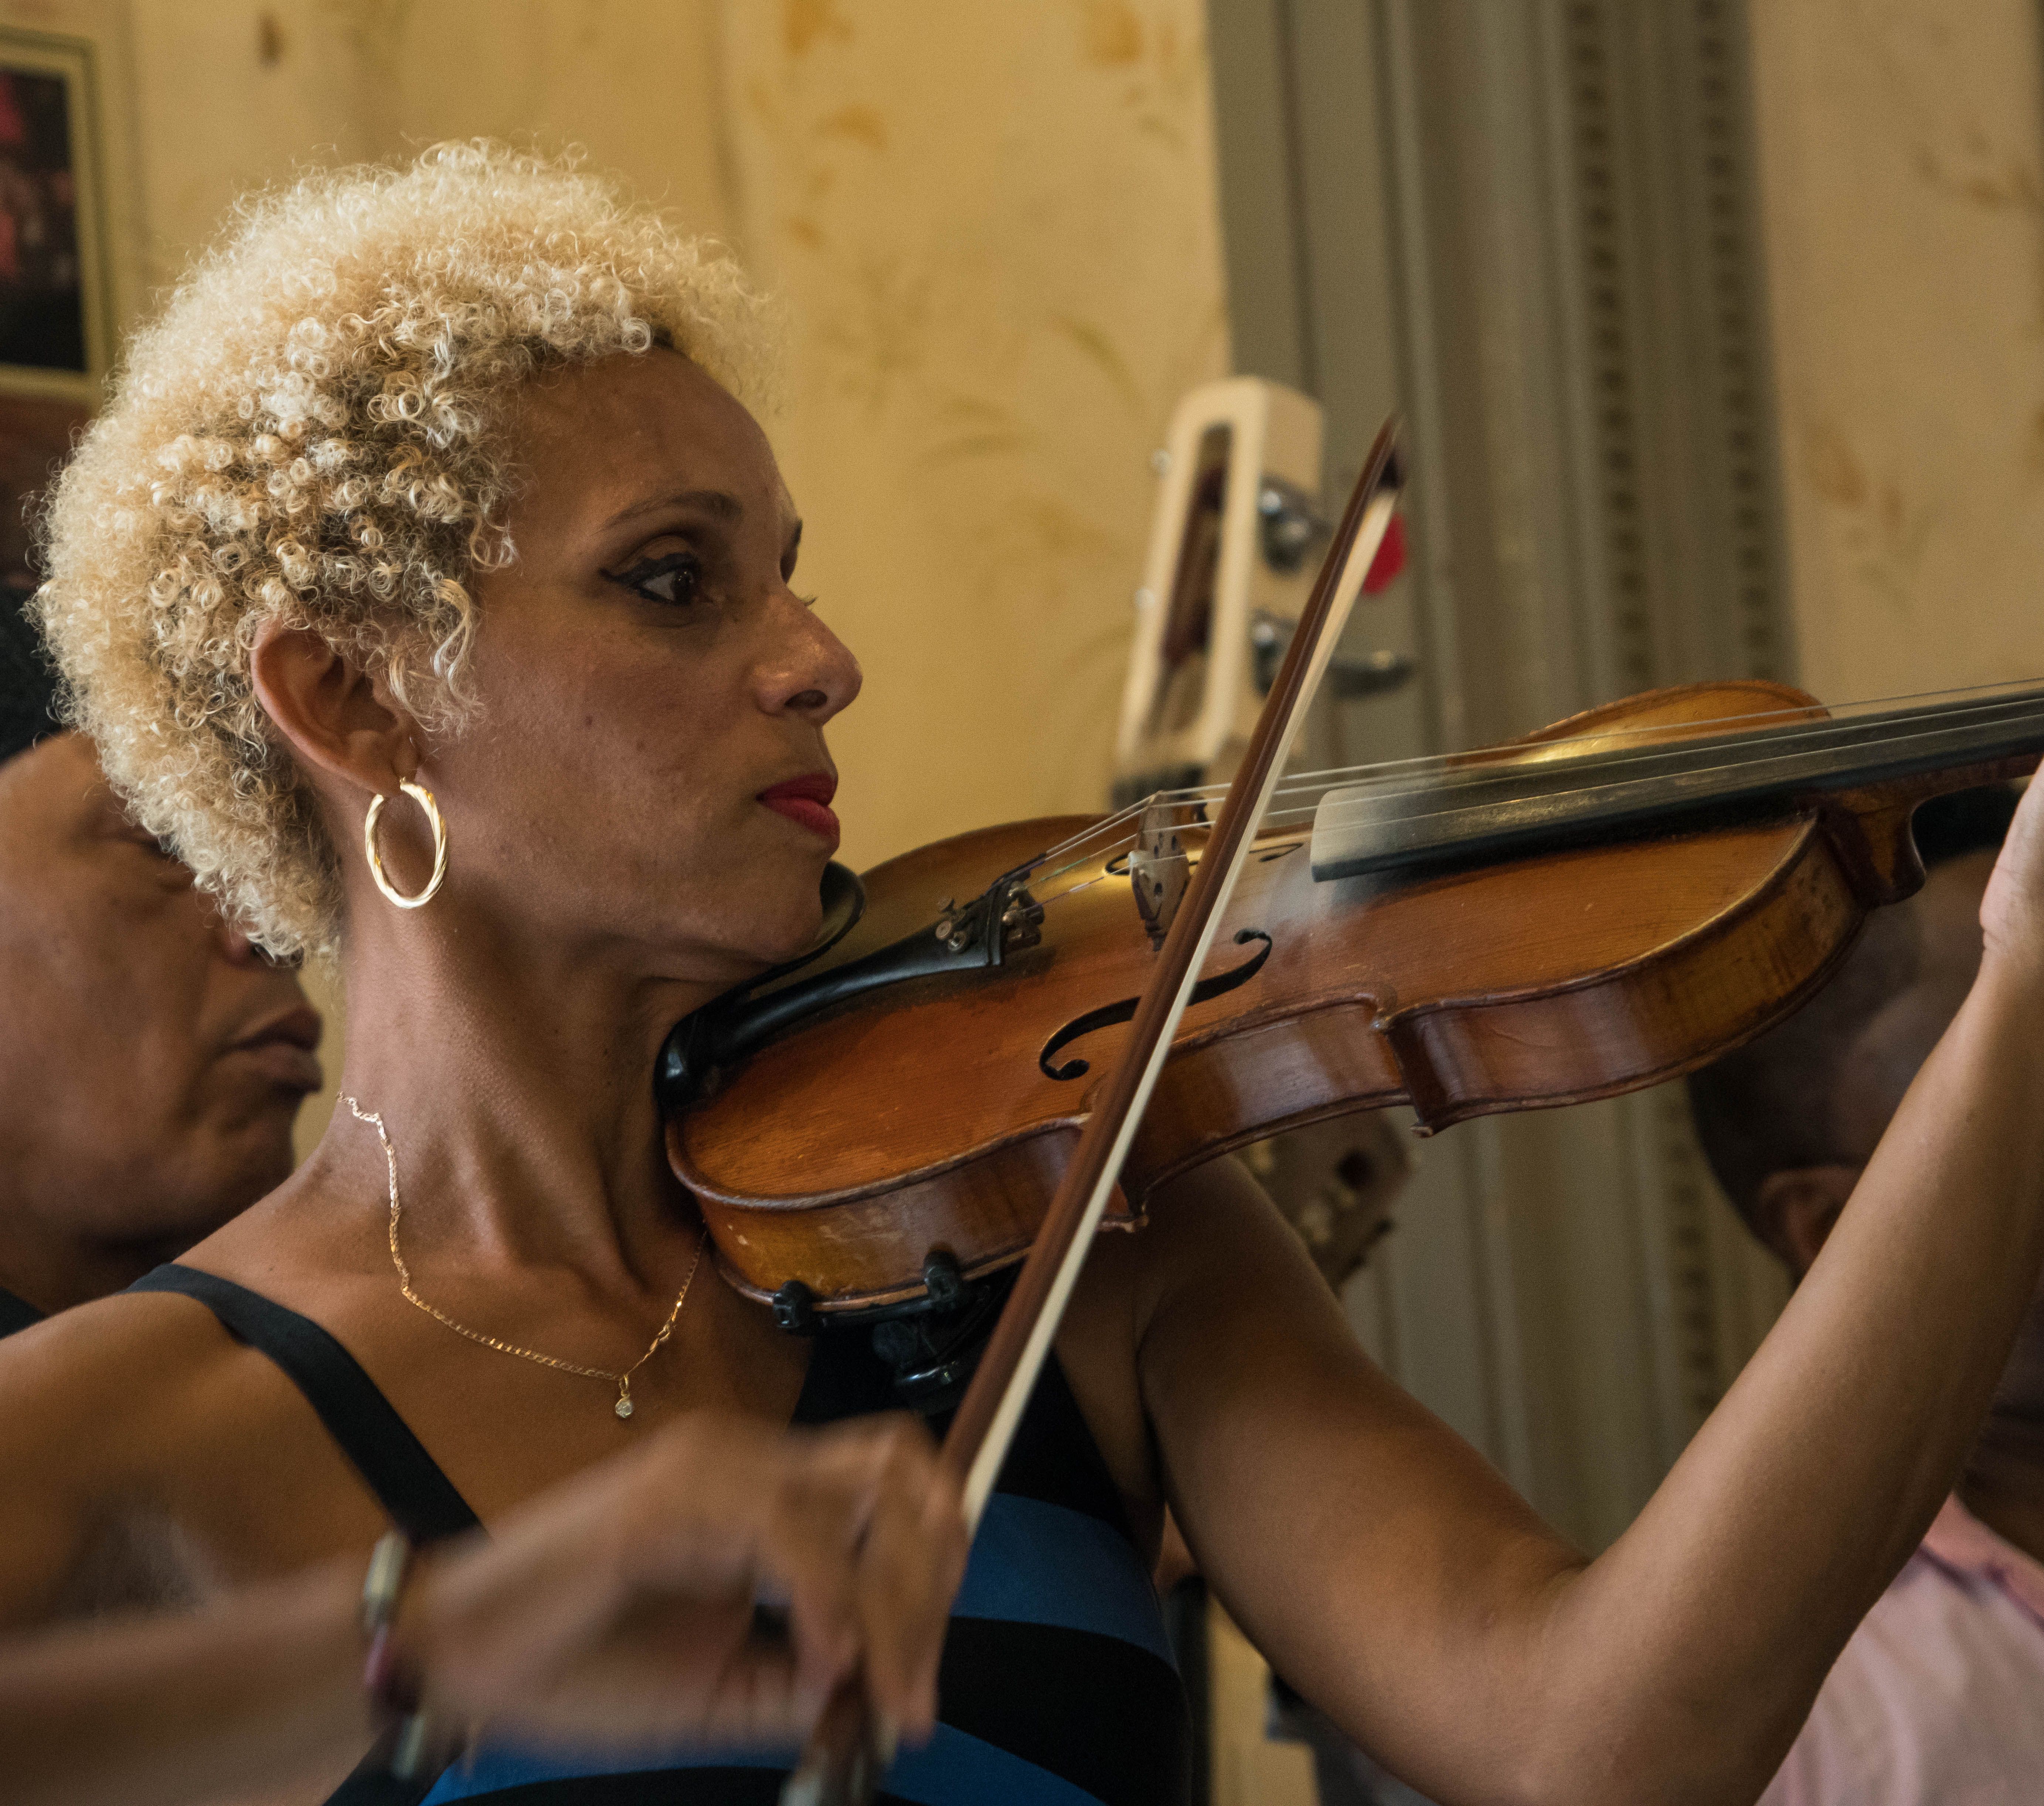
[(1901, 149), (997, 230)]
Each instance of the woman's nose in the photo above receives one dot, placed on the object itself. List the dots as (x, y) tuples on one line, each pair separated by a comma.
[(814, 673)]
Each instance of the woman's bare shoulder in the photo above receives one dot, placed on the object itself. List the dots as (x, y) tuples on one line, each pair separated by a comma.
[(92, 1402), (111, 1376), (135, 1429)]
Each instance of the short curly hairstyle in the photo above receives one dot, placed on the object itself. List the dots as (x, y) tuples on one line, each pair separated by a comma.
[(312, 431)]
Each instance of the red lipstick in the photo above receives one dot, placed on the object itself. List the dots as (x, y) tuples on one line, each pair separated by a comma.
[(806, 800)]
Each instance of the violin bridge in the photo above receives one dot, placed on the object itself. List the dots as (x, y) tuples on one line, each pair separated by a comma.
[(1158, 870)]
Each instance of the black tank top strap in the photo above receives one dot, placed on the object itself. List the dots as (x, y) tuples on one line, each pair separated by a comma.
[(392, 1463), (15, 1313)]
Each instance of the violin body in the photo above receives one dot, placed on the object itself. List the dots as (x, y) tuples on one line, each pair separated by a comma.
[(936, 1115)]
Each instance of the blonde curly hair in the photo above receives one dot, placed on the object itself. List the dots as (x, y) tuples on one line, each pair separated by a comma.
[(311, 432)]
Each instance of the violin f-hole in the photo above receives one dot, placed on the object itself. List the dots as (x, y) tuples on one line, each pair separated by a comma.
[(1108, 1015)]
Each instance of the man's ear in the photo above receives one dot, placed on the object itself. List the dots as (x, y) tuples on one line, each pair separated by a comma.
[(1794, 1211), (332, 715)]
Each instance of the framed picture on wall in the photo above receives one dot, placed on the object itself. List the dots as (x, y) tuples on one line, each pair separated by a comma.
[(56, 320)]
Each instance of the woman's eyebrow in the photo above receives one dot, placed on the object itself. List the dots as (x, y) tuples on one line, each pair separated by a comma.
[(716, 502)]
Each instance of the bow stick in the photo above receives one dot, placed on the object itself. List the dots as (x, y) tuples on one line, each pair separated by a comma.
[(848, 1751)]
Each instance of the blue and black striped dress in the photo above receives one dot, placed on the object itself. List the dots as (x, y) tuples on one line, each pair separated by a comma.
[(1057, 1687)]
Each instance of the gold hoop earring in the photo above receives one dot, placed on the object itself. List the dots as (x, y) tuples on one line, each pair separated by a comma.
[(424, 797)]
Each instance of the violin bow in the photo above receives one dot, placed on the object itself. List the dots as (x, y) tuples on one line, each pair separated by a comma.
[(847, 1752)]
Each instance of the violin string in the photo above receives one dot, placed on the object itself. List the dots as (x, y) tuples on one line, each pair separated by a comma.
[(1600, 779), (1092, 831), (1126, 842), (1073, 890), (1161, 859), (1102, 877), (1464, 771), (1601, 782), (1706, 754), (1937, 711), (1597, 781), (1797, 722)]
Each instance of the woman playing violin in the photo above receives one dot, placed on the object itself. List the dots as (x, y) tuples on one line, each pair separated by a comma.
[(440, 487)]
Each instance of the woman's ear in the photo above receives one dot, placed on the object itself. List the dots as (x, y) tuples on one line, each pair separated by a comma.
[(331, 713)]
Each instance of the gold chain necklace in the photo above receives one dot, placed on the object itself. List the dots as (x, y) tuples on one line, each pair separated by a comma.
[(621, 1381)]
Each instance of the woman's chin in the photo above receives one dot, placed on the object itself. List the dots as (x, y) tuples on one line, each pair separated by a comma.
[(766, 919), (784, 925)]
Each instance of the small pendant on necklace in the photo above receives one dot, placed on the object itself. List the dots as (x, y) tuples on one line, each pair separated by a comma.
[(624, 1407)]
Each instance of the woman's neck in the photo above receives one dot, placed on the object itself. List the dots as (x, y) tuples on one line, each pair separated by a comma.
[(517, 1081)]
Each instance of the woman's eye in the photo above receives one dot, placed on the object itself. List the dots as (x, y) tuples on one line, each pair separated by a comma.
[(675, 576)]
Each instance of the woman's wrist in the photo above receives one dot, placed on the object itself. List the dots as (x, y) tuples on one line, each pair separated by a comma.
[(397, 1667)]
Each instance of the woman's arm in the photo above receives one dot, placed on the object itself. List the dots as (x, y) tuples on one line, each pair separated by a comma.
[(617, 1607), (263, 1689), (1394, 1577)]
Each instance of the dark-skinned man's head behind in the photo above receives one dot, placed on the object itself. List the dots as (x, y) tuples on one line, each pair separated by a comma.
[(1790, 1121), (151, 1063)]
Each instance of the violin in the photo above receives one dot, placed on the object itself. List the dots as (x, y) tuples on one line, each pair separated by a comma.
[(1010, 1039), (1602, 905)]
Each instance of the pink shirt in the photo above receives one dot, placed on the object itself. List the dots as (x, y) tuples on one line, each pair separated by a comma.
[(1939, 1697)]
